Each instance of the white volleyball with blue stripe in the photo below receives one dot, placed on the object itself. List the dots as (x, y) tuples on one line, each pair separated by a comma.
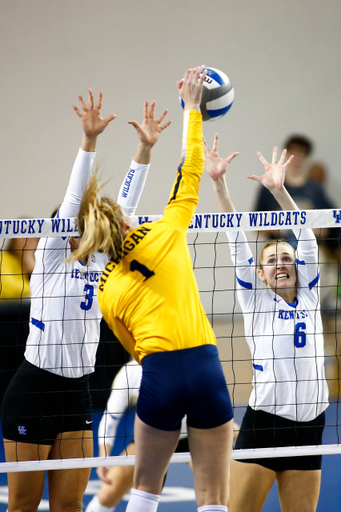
[(217, 95)]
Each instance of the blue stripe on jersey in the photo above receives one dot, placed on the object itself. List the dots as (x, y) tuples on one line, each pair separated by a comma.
[(244, 284), (300, 262), (177, 184), (258, 367), (314, 281), (184, 152), (38, 324), (251, 260)]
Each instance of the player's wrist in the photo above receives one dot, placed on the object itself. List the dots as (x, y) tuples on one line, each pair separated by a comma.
[(190, 105), (143, 153), (89, 143)]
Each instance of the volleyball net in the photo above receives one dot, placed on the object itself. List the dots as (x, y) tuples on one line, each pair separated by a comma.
[(216, 280)]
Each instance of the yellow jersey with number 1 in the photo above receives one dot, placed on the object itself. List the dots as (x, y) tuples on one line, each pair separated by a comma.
[(149, 296)]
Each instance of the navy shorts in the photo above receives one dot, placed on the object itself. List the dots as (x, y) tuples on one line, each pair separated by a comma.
[(179, 382), (39, 404), (260, 429)]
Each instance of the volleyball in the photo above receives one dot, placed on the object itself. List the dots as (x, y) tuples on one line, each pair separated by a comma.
[(217, 95)]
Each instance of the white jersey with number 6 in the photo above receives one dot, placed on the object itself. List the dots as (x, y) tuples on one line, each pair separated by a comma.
[(285, 340)]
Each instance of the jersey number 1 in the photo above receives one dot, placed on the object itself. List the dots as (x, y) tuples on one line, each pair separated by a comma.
[(145, 271)]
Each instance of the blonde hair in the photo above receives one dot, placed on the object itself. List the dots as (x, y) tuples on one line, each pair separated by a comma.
[(99, 223), (274, 242)]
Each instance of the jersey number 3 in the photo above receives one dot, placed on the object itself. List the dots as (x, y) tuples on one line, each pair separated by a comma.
[(89, 297)]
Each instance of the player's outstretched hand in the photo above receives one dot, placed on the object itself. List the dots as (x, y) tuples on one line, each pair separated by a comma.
[(102, 474), (274, 175), (190, 87), (150, 129), (93, 123), (216, 166)]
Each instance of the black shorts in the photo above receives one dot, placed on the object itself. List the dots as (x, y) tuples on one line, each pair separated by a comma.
[(184, 382), (39, 404), (260, 429)]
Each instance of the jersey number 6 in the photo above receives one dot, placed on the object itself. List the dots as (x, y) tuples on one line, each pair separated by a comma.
[(300, 335)]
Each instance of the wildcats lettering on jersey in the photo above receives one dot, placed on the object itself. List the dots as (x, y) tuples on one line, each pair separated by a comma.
[(291, 315), (127, 182), (131, 241)]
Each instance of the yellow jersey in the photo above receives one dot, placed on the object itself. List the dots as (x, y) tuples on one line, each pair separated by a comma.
[(14, 283), (148, 295)]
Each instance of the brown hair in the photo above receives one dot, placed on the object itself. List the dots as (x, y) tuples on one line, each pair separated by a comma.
[(301, 141), (99, 223)]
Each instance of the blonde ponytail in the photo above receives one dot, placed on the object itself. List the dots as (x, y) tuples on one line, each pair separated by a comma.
[(99, 223)]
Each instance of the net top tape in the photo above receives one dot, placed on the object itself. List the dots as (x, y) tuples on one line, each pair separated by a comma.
[(129, 460), (201, 222)]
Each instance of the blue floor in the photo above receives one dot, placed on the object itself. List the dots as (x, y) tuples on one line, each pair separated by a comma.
[(178, 494)]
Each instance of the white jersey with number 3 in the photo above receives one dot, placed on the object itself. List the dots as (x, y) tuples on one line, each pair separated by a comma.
[(285, 340), (65, 315)]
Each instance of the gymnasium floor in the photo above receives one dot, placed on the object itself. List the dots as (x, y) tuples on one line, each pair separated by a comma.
[(178, 494)]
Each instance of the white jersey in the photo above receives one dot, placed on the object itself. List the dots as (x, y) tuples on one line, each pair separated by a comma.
[(285, 340), (124, 394), (65, 315)]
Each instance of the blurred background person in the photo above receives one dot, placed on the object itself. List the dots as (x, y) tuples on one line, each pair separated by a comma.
[(318, 172), (307, 193)]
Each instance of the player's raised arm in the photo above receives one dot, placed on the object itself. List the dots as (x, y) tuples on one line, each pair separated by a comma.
[(190, 87), (216, 168), (273, 179), (93, 125), (92, 122), (184, 194), (148, 132)]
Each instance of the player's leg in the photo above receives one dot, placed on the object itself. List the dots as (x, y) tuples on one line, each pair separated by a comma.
[(211, 453), (250, 484), (298, 491), (67, 486), (24, 418), (25, 489), (121, 478), (154, 449)]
